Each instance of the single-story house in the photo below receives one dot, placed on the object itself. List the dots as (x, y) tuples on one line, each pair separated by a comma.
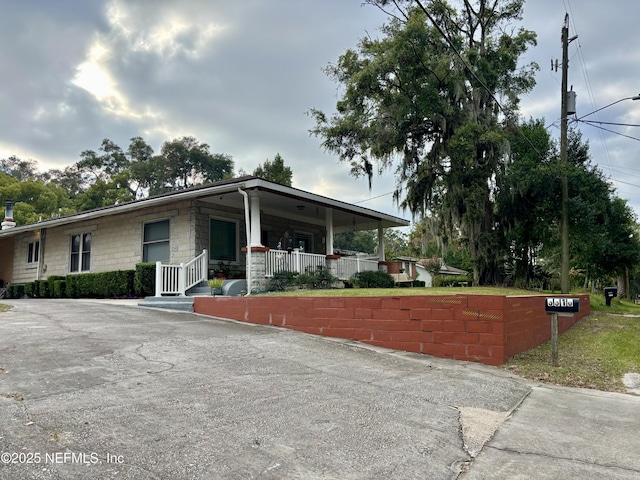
[(426, 276), (403, 270), (249, 225)]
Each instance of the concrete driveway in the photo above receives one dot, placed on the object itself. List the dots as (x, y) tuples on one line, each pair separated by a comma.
[(92, 390)]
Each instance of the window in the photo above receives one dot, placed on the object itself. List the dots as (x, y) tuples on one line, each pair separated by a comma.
[(33, 252), (155, 242), (80, 253), (223, 243)]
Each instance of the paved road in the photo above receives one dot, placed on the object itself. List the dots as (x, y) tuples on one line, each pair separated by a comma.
[(101, 391)]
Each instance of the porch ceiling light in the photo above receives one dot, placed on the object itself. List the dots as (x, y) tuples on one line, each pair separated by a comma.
[(300, 207)]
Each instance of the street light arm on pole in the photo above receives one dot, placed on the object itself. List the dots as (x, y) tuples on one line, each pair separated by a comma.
[(636, 97)]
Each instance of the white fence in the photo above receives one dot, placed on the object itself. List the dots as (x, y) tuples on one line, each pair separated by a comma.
[(349, 266), (296, 261), (177, 279)]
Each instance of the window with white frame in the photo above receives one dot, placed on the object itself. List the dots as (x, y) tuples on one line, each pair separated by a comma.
[(80, 252), (223, 240), (155, 242), (33, 252)]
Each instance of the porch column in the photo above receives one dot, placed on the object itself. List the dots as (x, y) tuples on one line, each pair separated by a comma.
[(254, 199), (380, 243), (329, 225)]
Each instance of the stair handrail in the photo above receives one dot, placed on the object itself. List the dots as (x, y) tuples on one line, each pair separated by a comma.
[(177, 279), (196, 271)]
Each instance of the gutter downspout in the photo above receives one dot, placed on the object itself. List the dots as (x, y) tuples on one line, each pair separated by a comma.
[(247, 221), (41, 237)]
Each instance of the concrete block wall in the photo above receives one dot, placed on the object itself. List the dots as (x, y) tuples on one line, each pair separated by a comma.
[(258, 269), (21, 270), (116, 242), (479, 328)]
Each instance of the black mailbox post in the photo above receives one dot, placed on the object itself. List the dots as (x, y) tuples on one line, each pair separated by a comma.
[(609, 293)]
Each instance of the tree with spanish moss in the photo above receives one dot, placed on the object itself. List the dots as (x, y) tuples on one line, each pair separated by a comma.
[(431, 99)]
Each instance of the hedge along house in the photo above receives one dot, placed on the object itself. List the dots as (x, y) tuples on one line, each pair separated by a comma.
[(233, 225)]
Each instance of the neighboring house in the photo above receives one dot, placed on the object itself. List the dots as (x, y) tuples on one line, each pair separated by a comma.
[(403, 270), (425, 275), (213, 223)]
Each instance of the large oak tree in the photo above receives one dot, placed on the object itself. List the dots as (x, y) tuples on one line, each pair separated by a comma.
[(431, 99)]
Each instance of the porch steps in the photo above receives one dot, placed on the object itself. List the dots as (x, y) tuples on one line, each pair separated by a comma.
[(185, 304), (200, 290)]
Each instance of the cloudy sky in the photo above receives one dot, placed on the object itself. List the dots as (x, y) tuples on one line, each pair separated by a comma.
[(241, 75)]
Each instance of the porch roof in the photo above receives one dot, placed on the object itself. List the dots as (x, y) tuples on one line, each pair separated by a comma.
[(275, 199)]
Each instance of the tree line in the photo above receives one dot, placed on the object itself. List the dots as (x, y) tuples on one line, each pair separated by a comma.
[(436, 100), (112, 175)]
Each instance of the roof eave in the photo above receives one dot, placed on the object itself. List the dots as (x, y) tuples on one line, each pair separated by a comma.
[(247, 183)]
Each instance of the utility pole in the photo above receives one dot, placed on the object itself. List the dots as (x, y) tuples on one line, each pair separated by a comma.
[(564, 234)]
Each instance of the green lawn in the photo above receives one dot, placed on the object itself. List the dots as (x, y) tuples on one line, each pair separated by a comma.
[(595, 353), (390, 292)]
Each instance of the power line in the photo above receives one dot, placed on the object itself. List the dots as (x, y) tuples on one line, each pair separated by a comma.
[(627, 183), (373, 198), (618, 167), (612, 123), (610, 131)]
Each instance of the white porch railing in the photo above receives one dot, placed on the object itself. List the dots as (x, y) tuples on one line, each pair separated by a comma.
[(177, 279), (349, 266), (296, 261)]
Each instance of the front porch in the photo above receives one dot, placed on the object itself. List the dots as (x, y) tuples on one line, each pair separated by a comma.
[(250, 228), (177, 280)]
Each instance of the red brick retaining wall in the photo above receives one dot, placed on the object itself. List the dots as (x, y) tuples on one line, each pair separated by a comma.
[(481, 328)]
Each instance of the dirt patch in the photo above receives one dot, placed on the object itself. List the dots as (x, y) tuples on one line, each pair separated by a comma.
[(16, 396)]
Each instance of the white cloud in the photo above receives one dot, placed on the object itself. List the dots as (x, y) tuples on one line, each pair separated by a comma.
[(240, 75)]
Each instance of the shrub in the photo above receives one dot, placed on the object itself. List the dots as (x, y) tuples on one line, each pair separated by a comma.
[(30, 289), (451, 281), (17, 291), (375, 279), (281, 280), (50, 284), (117, 283), (320, 279), (59, 288), (305, 280), (144, 280), (41, 289), (325, 279), (72, 286)]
